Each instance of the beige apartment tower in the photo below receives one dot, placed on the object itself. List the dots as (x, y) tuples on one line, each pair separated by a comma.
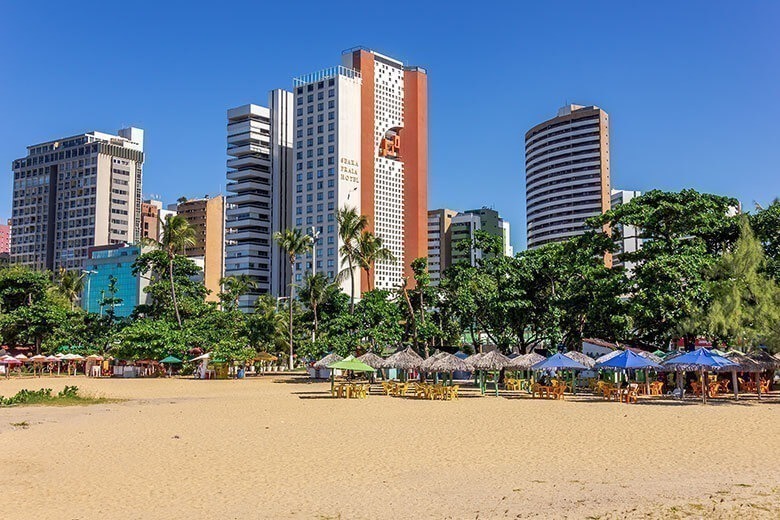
[(207, 218), (567, 173)]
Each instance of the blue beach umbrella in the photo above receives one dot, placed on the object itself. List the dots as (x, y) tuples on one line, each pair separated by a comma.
[(628, 360), (559, 362), (700, 359)]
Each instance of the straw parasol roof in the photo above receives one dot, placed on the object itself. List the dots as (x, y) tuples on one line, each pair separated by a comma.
[(763, 358), (449, 363), (526, 361), (493, 360), (406, 359), (372, 360), (652, 356), (607, 357), (39, 358), (473, 358), (327, 360), (426, 364), (581, 358), (746, 364)]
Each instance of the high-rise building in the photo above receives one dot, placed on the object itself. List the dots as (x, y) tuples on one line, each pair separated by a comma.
[(439, 242), (629, 238), (259, 146), (74, 193), (361, 141), (567, 173), (113, 261), (152, 216), (207, 217), (464, 228)]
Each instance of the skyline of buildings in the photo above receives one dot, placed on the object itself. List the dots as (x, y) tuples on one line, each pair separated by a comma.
[(350, 136)]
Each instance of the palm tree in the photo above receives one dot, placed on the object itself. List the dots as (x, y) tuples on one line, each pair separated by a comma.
[(370, 250), (351, 225), (313, 293), (177, 235), (69, 285), (234, 287), (296, 243)]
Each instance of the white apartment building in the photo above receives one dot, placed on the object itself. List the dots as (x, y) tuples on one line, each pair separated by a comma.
[(74, 193), (326, 163), (259, 145), (567, 173), (630, 240), (361, 142)]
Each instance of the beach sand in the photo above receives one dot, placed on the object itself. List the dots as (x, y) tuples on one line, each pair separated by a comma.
[(279, 447)]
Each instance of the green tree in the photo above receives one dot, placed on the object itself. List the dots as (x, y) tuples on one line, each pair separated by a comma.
[(745, 306), (371, 249), (295, 243), (177, 235), (190, 293), (111, 300), (70, 284), (313, 293), (765, 222), (234, 287), (684, 233), (350, 227)]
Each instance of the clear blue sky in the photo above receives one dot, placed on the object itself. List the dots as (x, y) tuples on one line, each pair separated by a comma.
[(692, 88)]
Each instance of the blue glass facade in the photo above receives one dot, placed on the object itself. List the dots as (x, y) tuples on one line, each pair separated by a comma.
[(101, 265)]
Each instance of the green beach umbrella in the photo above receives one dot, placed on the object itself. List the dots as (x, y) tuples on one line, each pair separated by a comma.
[(351, 364), (170, 359)]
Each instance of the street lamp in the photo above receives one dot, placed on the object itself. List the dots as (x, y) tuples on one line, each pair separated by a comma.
[(315, 235), (89, 274)]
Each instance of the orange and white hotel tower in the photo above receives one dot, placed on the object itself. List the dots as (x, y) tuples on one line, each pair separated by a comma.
[(361, 141)]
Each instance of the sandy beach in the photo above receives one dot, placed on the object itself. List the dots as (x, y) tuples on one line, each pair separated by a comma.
[(280, 447)]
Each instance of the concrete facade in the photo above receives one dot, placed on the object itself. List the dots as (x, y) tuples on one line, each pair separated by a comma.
[(361, 142), (74, 193), (259, 146), (628, 237), (567, 171), (207, 218), (439, 242)]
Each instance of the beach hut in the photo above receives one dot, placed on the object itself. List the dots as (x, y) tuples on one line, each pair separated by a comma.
[(320, 368), (700, 360), (490, 363)]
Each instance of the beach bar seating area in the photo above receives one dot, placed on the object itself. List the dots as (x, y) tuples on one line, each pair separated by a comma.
[(628, 376)]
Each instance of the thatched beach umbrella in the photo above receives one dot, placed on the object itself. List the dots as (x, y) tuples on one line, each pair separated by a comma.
[(581, 358), (493, 361), (449, 364), (526, 361), (372, 360), (430, 359), (767, 363), (406, 359), (327, 360)]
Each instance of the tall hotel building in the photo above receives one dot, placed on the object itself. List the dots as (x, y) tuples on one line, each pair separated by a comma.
[(259, 146), (567, 173), (361, 141), (75, 193)]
